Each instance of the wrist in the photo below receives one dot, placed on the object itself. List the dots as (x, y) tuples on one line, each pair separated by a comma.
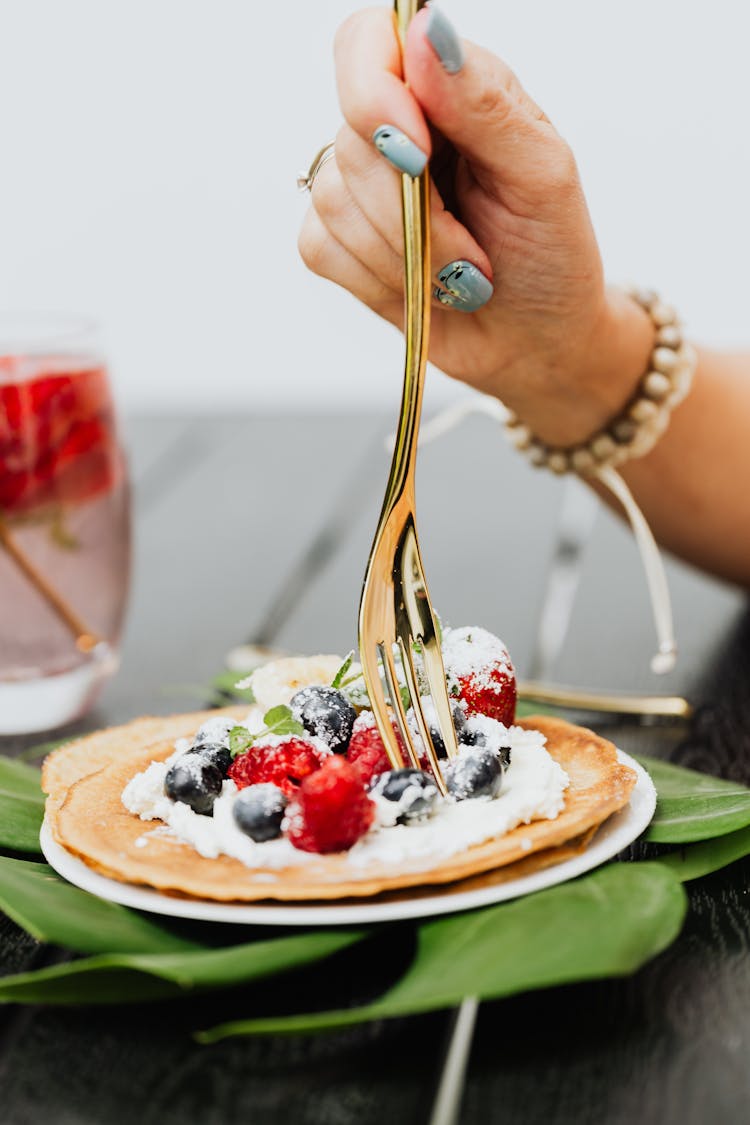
[(619, 356), (640, 422), (587, 384)]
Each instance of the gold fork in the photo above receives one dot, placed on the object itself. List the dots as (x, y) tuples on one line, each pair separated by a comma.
[(395, 609)]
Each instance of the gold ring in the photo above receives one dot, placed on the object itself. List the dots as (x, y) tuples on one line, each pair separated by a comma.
[(305, 180)]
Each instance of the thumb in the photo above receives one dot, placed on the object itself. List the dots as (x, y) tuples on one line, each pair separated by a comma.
[(481, 108)]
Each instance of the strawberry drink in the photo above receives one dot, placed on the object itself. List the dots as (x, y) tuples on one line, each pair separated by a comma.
[(64, 529)]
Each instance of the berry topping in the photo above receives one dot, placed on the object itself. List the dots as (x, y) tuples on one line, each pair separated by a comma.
[(215, 753), (215, 731), (483, 732), (284, 763), (479, 673), (474, 773), (366, 750), (430, 714), (259, 810), (194, 782), (413, 793), (327, 713), (331, 810)]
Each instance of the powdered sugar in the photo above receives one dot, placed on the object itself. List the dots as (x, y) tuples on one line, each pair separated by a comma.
[(472, 651)]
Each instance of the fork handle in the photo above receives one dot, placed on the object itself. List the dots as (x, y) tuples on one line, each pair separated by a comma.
[(404, 11), (415, 202)]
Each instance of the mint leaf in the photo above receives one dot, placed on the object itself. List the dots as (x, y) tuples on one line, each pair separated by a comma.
[(279, 720), (338, 679), (240, 740), (224, 686)]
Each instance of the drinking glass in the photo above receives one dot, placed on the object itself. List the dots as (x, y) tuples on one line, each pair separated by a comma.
[(64, 523)]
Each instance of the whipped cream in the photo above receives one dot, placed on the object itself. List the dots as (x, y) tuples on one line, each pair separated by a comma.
[(533, 789)]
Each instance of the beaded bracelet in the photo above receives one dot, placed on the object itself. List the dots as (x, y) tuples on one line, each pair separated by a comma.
[(635, 431)]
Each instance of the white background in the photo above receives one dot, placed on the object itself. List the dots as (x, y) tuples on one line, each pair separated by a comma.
[(148, 153)]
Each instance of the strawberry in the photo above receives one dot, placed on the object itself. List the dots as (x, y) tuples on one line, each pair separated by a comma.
[(331, 810), (480, 674), (57, 438)]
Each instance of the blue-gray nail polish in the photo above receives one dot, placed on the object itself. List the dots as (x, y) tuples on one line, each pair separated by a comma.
[(462, 286), (445, 43), (402, 152)]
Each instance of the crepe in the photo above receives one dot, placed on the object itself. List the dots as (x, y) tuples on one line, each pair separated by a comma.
[(85, 780)]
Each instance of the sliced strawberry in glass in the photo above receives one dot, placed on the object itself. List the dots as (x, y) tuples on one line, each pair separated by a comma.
[(57, 437)]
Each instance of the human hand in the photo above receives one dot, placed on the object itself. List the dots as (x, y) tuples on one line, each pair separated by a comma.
[(521, 309)]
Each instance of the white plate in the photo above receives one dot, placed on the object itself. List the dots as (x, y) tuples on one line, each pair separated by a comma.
[(619, 831)]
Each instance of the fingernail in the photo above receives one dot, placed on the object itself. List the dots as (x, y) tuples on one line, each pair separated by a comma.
[(463, 286), (396, 147), (445, 43)]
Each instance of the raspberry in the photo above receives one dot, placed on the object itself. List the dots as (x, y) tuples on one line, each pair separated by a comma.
[(283, 764), (366, 749), (490, 692), (331, 809)]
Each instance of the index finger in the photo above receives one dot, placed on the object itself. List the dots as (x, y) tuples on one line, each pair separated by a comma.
[(370, 83)]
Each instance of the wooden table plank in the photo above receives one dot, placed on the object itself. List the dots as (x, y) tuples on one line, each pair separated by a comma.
[(210, 553), (612, 637), (486, 524)]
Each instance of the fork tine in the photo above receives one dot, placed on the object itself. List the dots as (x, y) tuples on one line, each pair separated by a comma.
[(407, 660), (391, 680), (416, 609), (434, 671), (374, 686)]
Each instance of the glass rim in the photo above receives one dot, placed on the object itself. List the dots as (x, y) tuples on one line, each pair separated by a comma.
[(25, 332)]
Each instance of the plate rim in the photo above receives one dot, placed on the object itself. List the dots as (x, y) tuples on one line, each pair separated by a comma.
[(618, 831)]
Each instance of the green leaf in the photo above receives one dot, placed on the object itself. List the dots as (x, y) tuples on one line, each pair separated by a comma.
[(240, 740), (41, 750), (605, 924), (280, 720), (124, 978), (17, 779), (526, 707), (339, 677), (226, 684), (694, 806), (52, 910), (20, 823), (21, 806), (697, 860)]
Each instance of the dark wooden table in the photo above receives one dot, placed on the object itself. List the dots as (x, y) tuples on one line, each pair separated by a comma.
[(257, 528)]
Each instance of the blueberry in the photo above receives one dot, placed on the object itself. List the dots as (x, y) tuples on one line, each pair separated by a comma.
[(258, 811), (215, 753), (214, 731), (471, 737), (459, 725), (195, 782), (327, 713), (482, 732), (475, 773), (430, 714), (414, 791)]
